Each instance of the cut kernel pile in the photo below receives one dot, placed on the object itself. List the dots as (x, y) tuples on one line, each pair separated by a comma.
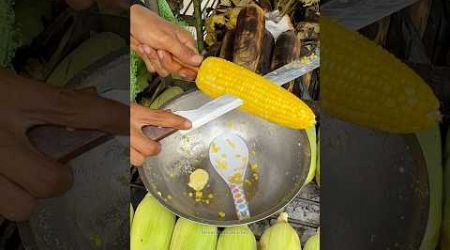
[(198, 179)]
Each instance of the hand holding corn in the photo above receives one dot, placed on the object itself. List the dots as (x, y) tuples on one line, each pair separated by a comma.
[(165, 47)]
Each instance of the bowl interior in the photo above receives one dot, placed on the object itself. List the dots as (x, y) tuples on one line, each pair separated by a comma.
[(282, 156)]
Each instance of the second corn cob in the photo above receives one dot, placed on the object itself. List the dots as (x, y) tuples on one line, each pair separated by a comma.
[(365, 84), (261, 97)]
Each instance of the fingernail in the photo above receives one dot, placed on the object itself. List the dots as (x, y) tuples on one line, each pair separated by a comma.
[(147, 49), (183, 75), (161, 54), (187, 124), (197, 59), (141, 50)]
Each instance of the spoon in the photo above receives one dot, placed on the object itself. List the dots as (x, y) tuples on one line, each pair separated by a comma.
[(228, 154)]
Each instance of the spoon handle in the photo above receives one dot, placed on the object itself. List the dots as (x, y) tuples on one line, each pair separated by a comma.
[(240, 202)]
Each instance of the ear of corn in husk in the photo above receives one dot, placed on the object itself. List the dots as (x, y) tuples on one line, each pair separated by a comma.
[(318, 163), (189, 235), (86, 54), (365, 84), (430, 143), (226, 49), (131, 215), (312, 138), (8, 41), (313, 243), (445, 232), (265, 59), (280, 236), (317, 177), (249, 35), (152, 226), (233, 238), (261, 97)]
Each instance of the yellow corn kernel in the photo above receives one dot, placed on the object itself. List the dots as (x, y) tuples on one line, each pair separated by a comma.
[(365, 84), (261, 97)]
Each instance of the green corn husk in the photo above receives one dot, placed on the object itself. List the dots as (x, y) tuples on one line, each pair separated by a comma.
[(280, 236), (189, 235), (313, 243), (445, 232), (163, 98), (89, 52), (30, 16), (312, 138), (138, 75), (318, 163), (430, 143), (131, 215), (152, 226), (240, 237), (8, 41)]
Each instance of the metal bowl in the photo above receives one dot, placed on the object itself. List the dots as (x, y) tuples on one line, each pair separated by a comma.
[(282, 155)]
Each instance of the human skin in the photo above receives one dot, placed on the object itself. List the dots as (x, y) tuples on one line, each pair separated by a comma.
[(26, 175), (165, 49)]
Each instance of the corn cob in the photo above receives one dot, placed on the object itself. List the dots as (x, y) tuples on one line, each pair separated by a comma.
[(280, 236), (240, 237), (152, 226), (287, 49), (8, 43), (189, 235), (261, 97), (226, 51), (266, 53), (364, 84)]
